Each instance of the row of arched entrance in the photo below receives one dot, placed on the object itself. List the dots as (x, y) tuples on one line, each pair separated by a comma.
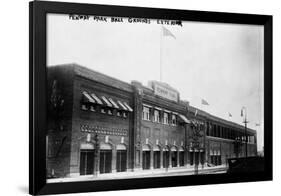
[(156, 157), (104, 160)]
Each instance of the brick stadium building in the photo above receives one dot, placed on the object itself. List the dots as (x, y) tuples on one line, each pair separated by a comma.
[(98, 124)]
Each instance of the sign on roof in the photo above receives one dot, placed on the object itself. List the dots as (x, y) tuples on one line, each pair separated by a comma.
[(165, 92)]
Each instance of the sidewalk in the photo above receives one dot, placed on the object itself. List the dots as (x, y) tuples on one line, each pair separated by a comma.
[(187, 170)]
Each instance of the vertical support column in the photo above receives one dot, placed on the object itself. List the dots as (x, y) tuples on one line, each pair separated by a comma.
[(178, 158), (140, 163), (186, 143), (170, 158), (151, 158), (161, 158), (114, 159), (135, 146), (97, 161)]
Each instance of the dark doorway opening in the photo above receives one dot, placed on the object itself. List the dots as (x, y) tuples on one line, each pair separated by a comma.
[(181, 158), (87, 162), (165, 159), (156, 159), (174, 158), (105, 161), (145, 159), (121, 161)]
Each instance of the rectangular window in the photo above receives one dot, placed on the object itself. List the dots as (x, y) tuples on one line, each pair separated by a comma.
[(109, 111), (156, 116), (119, 113), (92, 108), (125, 114), (166, 118), (103, 110), (84, 107), (174, 119), (145, 113), (157, 134)]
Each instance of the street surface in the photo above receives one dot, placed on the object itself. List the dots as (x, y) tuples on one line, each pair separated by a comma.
[(144, 173)]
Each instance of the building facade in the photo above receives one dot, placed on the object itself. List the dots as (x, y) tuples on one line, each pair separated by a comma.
[(98, 124)]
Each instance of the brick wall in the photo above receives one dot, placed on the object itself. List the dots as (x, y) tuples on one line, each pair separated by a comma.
[(93, 119)]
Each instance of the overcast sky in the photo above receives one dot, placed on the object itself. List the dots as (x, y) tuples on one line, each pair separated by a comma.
[(220, 63)]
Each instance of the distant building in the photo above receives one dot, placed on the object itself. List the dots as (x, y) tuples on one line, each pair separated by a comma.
[(98, 124)]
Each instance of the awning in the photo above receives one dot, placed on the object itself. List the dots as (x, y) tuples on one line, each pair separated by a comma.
[(157, 108), (113, 103), (156, 148), (104, 146), (106, 101), (97, 99), (122, 105), (173, 148), (184, 119), (121, 147), (145, 105), (181, 149), (165, 149), (145, 148), (87, 146), (88, 97), (129, 108)]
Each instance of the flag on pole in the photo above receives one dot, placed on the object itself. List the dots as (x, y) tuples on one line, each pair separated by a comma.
[(196, 111), (204, 102), (166, 32), (229, 114), (242, 112)]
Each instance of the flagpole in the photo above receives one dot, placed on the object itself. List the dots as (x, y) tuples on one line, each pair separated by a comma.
[(161, 39)]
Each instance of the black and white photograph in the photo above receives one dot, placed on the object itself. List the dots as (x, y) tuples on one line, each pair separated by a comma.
[(132, 98), (140, 97)]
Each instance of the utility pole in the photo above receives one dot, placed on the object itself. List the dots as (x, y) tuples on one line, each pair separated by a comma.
[(245, 121)]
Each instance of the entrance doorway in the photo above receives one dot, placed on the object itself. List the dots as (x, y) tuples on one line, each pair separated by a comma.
[(156, 159), (181, 158), (146, 159), (166, 158), (121, 161), (105, 161), (87, 162), (174, 156)]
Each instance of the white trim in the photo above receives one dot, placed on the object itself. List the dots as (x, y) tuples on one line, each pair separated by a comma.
[(121, 147), (106, 101), (121, 104), (90, 99), (184, 119), (86, 146), (105, 146), (165, 149), (157, 108), (145, 105), (127, 105), (173, 148), (113, 102), (145, 148), (156, 148), (96, 98)]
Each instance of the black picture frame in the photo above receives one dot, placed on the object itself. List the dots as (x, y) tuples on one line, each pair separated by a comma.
[(37, 96)]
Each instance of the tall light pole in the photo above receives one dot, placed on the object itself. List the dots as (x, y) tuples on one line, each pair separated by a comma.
[(245, 121)]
